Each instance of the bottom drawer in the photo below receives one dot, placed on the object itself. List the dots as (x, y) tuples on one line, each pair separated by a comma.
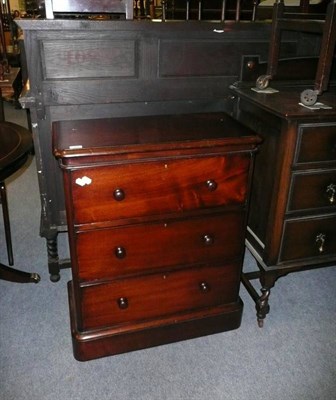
[(143, 298), (313, 237)]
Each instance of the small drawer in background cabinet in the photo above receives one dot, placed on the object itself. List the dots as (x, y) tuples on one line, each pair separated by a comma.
[(310, 237), (316, 144), (312, 190)]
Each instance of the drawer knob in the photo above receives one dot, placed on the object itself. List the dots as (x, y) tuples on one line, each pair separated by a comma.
[(320, 241), (208, 240), (204, 287), (119, 194), (123, 303), (331, 192), (120, 252), (211, 185)]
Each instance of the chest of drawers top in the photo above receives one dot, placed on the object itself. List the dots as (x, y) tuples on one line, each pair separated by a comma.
[(78, 143)]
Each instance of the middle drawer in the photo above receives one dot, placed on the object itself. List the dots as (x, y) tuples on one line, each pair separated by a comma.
[(110, 253)]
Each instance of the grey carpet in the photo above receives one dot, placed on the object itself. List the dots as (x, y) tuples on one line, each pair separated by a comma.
[(293, 357)]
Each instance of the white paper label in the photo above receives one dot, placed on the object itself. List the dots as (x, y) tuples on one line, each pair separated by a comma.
[(83, 181)]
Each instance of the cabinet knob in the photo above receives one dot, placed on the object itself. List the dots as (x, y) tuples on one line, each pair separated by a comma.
[(120, 252), (331, 192), (204, 287), (211, 185), (208, 240), (320, 242), (119, 194), (122, 303)]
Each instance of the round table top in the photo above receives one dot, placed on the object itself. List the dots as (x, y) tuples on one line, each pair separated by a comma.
[(15, 143)]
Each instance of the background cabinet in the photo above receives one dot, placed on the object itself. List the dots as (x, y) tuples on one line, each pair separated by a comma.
[(292, 218)]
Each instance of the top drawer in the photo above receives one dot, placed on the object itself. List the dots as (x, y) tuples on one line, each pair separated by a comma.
[(316, 143), (152, 188)]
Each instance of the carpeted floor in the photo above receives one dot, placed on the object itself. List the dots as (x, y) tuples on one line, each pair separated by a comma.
[(293, 357)]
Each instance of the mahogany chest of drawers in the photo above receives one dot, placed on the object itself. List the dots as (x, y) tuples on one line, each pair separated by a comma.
[(156, 210), (292, 218)]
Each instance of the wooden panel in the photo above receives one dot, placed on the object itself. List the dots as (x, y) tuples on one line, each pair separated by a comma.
[(201, 58), (105, 91), (89, 59), (188, 58), (158, 295), (265, 168)]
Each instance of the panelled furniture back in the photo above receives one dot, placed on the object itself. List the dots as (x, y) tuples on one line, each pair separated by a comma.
[(84, 69)]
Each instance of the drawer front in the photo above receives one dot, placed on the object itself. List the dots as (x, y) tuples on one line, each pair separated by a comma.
[(155, 296), (313, 190), (309, 238), (142, 189), (316, 144), (109, 253)]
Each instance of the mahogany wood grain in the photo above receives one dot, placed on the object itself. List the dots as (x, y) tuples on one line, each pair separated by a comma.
[(165, 187), (156, 209), (158, 295), (198, 240), (102, 343)]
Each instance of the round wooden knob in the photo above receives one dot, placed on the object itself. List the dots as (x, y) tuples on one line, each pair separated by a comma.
[(120, 252), (211, 185), (204, 287), (123, 303), (208, 240), (119, 194)]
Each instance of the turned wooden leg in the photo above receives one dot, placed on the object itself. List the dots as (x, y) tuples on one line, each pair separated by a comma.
[(53, 260), (14, 275), (262, 306), (267, 280)]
